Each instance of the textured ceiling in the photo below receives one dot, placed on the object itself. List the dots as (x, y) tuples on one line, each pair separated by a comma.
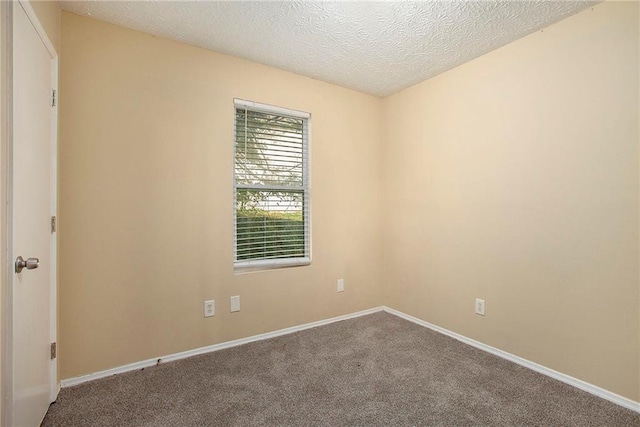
[(373, 47)]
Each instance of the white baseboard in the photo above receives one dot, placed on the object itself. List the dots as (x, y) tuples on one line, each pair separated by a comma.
[(582, 385), (208, 349)]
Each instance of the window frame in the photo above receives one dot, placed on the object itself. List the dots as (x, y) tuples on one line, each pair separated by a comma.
[(274, 263)]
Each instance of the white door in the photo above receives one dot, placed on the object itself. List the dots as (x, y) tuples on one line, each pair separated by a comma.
[(31, 201)]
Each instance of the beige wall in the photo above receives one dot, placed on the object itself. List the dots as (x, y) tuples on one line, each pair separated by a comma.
[(146, 199), (514, 178), (48, 12)]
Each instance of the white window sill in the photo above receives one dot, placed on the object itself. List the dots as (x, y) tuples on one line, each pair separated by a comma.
[(269, 264)]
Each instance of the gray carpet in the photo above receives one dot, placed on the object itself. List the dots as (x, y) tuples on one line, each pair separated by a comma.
[(372, 370)]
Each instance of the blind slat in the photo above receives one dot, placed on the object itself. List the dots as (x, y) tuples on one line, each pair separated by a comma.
[(265, 165), (274, 254), (256, 153)]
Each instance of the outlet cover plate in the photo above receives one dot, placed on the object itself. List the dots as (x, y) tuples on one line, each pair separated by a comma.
[(209, 308), (235, 303), (480, 306), (340, 285)]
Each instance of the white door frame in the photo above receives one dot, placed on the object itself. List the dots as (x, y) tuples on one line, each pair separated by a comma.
[(9, 279)]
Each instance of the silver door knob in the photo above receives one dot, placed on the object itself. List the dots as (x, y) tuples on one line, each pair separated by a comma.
[(29, 264)]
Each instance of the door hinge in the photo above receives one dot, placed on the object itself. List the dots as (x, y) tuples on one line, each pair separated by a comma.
[(53, 350), (53, 224), (53, 97)]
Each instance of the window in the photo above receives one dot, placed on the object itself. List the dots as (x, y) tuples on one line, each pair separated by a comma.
[(271, 181)]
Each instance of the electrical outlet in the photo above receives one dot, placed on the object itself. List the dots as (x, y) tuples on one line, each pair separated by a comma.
[(340, 285), (480, 306), (209, 308), (235, 303)]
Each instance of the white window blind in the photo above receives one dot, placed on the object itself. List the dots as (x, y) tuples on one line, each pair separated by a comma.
[(271, 212)]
